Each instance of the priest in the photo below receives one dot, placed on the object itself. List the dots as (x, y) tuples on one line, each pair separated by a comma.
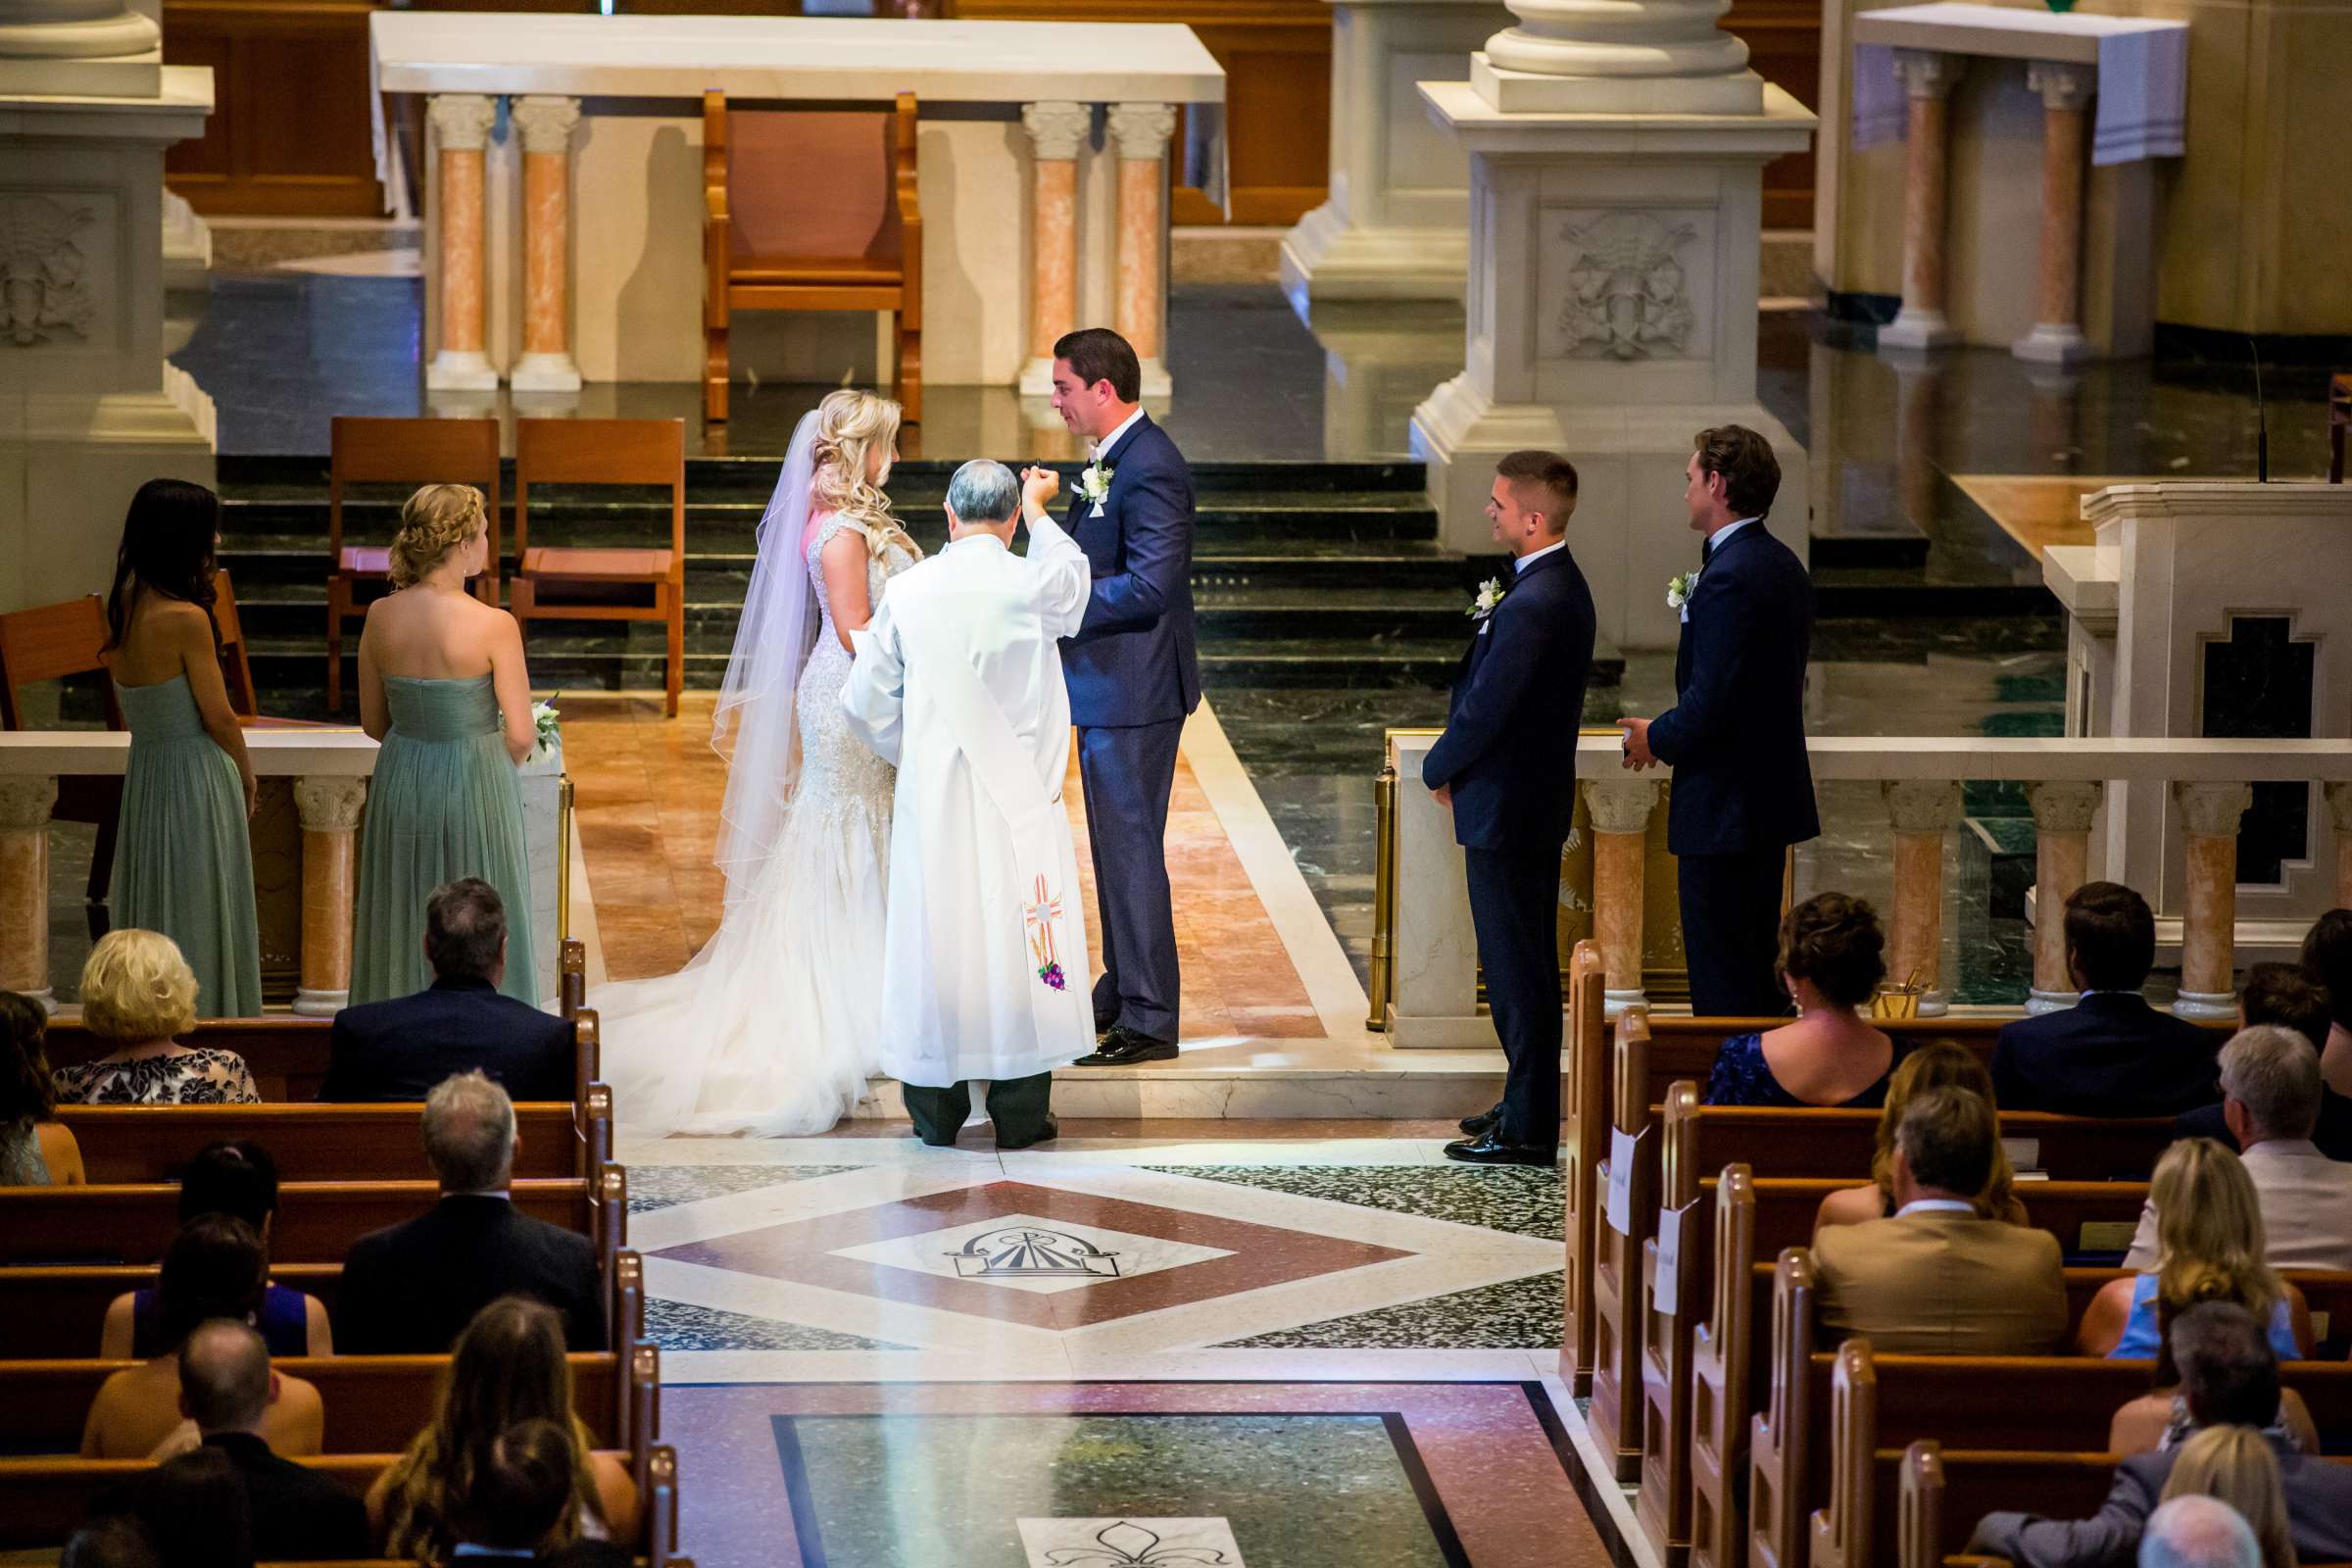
[(958, 682)]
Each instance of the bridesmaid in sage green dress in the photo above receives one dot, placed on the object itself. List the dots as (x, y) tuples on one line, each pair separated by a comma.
[(442, 685), (183, 858)]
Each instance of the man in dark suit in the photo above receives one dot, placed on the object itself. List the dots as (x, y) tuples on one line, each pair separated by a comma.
[(1742, 787), (399, 1048), (296, 1514), (411, 1288), (2110, 1053), (1133, 676), (1506, 766)]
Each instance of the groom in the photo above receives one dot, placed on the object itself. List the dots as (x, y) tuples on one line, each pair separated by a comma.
[(1133, 677)]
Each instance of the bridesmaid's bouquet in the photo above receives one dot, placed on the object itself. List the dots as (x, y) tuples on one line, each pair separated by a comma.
[(545, 719)]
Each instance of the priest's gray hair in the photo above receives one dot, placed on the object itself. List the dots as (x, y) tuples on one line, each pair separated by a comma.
[(983, 491)]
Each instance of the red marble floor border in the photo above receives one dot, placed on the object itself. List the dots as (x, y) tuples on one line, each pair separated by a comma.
[(798, 1251), (1492, 1460)]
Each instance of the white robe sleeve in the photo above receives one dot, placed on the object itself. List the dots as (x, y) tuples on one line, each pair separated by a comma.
[(1066, 579), (874, 697)]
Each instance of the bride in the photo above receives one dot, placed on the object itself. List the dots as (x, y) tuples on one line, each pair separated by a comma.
[(771, 1029)]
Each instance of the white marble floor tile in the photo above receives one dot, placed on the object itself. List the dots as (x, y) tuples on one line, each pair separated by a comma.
[(868, 1317), (864, 1366), (708, 1218), (1376, 1227)]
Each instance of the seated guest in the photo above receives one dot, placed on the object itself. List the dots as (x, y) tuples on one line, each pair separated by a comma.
[(2209, 1247), (506, 1368), (2271, 1101), (2199, 1533), (2327, 959), (399, 1048), (522, 1491), (191, 1511), (2283, 994), (136, 994), (214, 1268), (2161, 1418), (2110, 1053), (1935, 1278), (411, 1288), (1832, 957), (109, 1543), (2235, 1465), (36, 1149), (298, 1515), (238, 1179), (2229, 1377), (1937, 1064)]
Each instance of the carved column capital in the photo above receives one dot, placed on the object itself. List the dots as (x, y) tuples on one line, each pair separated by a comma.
[(2064, 805), (2061, 84), (1621, 804), (25, 802), (462, 121), (1142, 130), (2213, 810), (1927, 72), (1056, 130), (329, 804), (1922, 804), (545, 121)]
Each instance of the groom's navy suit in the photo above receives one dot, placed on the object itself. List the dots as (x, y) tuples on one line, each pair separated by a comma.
[(1509, 754), (1133, 676), (1742, 782)]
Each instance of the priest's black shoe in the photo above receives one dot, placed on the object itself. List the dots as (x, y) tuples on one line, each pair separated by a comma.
[(1486, 1121), (1488, 1148), (1051, 1131), (1128, 1047)]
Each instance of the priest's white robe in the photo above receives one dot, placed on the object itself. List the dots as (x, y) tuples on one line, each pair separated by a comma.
[(957, 681)]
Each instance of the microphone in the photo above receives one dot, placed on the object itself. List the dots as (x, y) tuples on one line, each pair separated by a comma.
[(2261, 423)]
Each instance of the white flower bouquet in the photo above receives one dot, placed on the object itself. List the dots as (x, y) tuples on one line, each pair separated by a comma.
[(546, 718)]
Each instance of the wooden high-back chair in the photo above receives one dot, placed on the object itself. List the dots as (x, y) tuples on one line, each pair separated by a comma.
[(636, 452), (51, 641), (811, 210), (370, 450)]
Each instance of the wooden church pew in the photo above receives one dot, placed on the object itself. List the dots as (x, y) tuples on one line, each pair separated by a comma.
[(1785, 1208), (1627, 1187), (1721, 1380), (1777, 1141), (1584, 1143), (1670, 1307)]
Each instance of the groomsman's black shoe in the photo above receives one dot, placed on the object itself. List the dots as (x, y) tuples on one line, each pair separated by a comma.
[(1052, 1130), (1128, 1047), (1488, 1148), (1483, 1122)]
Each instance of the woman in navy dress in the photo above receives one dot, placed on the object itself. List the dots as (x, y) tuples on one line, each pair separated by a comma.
[(1832, 957)]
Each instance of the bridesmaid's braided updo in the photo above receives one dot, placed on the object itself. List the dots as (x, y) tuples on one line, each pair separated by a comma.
[(437, 519)]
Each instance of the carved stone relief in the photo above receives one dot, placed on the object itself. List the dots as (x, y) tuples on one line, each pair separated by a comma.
[(1629, 285), (44, 270)]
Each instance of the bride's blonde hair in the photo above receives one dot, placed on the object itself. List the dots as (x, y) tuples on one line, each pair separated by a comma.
[(850, 426)]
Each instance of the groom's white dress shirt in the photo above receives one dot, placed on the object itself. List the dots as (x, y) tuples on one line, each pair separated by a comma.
[(1111, 440)]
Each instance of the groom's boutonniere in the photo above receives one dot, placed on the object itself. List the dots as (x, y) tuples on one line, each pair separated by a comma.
[(1093, 483), (1679, 589)]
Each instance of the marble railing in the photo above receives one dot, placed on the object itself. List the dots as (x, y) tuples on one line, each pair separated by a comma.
[(328, 769), (1424, 989)]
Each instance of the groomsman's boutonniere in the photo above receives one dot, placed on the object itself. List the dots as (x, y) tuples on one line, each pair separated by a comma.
[(1679, 589), (1093, 483), (1490, 594)]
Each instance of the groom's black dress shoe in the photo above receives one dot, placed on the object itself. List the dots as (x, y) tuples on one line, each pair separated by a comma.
[(1486, 1121), (1128, 1047), (1488, 1148)]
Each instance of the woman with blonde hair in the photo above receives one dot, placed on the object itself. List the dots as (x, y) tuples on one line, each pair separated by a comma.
[(444, 687), (2236, 1465), (1937, 1064), (771, 1028), (509, 1366), (137, 993), (2209, 1247)]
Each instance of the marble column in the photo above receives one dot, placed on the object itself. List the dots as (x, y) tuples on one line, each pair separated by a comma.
[(1619, 810), (2062, 816), (2210, 816), (461, 124), (1140, 298), (2339, 809), (1927, 77), (329, 808), (96, 48), (25, 806), (2057, 335), (544, 124), (1056, 133), (1923, 810)]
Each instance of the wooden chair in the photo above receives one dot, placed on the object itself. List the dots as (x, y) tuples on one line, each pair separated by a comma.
[(51, 641), (584, 582), (369, 450), (811, 210)]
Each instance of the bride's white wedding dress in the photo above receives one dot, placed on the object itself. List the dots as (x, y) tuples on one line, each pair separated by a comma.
[(771, 1028)]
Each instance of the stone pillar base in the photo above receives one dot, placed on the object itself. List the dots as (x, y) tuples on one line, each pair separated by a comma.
[(1935, 1003), (542, 372), (2206, 1006), (1614, 1003), (309, 1004), (462, 370), (85, 458), (136, 71), (2048, 344), (1529, 92), (1918, 330), (2040, 1001), (1157, 383), (1036, 378), (1325, 257)]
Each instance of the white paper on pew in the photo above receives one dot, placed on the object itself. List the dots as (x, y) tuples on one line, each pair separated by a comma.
[(1620, 1212), (2025, 1153), (1667, 1297)]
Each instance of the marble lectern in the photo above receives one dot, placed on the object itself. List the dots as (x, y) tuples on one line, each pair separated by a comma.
[(1616, 159)]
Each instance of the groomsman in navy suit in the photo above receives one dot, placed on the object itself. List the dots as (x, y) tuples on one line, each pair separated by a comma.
[(1506, 766), (1133, 676), (1735, 736)]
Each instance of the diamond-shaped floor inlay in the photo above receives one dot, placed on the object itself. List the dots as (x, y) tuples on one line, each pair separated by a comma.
[(1023, 1253)]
